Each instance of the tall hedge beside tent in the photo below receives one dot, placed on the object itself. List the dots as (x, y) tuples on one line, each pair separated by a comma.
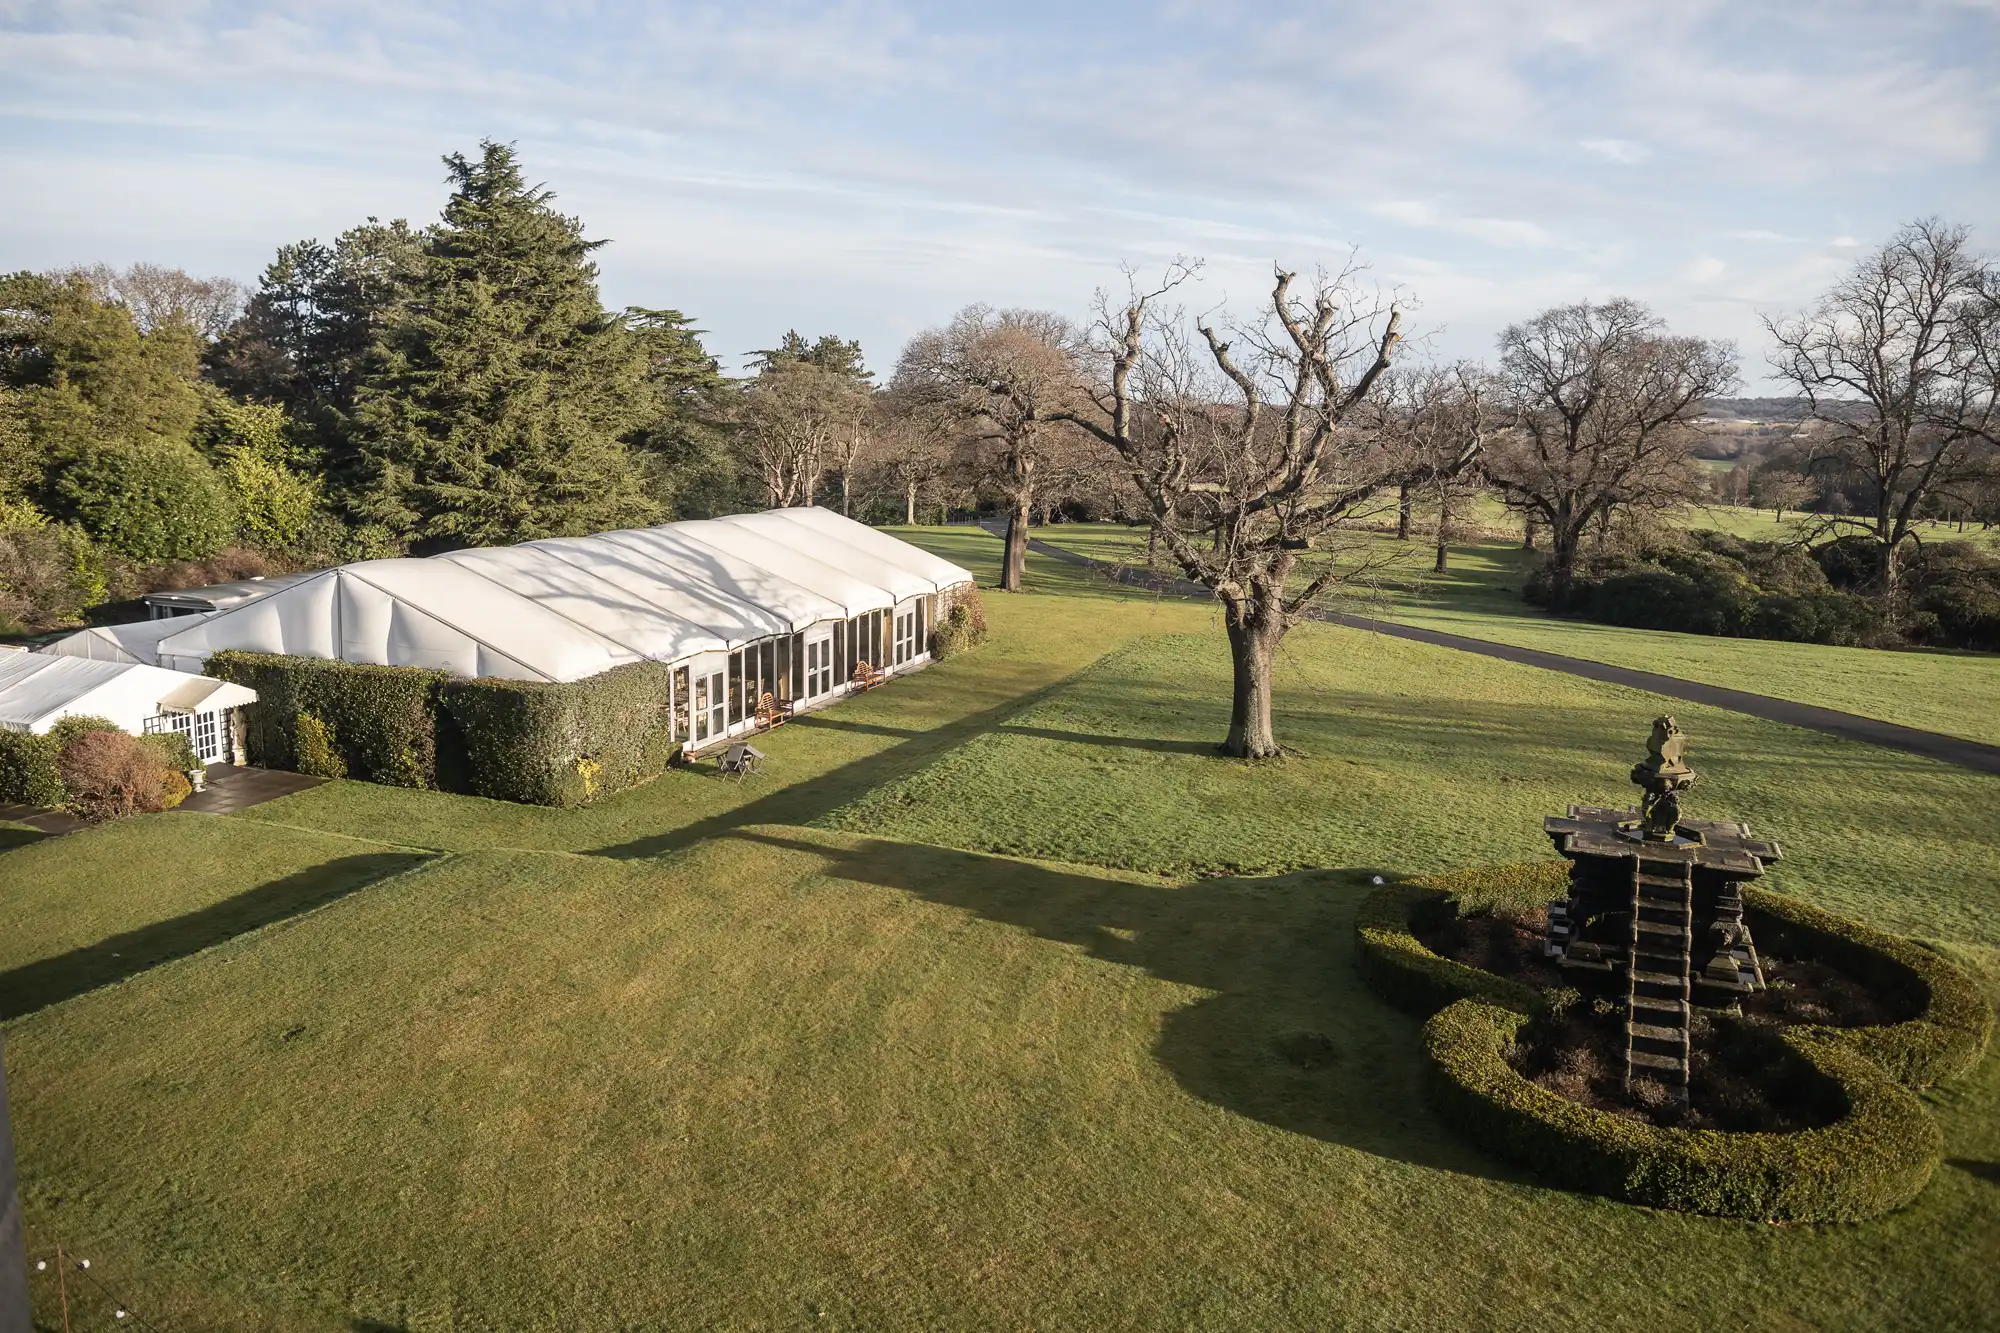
[(542, 743), (562, 744), (380, 718)]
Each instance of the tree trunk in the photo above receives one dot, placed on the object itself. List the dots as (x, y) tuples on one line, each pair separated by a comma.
[(1254, 631), (1014, 566), (1443, 537), (1403, 513), (910, 504), (1563, 544), (1152, 546), (1892, 575), (1528, 534), (844, 512)]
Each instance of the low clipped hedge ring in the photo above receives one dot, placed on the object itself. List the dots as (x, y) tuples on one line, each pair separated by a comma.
[(1875, 1156)]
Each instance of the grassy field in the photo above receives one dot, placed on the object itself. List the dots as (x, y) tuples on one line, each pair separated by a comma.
[(1956, 693), (998, 1001)]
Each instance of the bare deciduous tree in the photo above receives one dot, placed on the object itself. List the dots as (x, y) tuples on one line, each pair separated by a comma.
[(1241, 453), (1009, 375), (158, 296), (1600, 402), (794, 415), (915, 450), (1781, 491), (1436, 421), (1899, 364)]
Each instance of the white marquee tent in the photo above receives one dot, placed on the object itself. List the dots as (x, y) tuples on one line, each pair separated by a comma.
[(786, 603)]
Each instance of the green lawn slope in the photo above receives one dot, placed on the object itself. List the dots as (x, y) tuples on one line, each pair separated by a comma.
[(996, 1002)]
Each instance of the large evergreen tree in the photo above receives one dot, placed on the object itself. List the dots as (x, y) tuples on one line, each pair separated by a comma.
[(500, 391), (303, 340)]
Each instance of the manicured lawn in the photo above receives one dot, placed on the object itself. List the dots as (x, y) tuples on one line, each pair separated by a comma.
[(1955, 693), (829, 1049), (103, 903)]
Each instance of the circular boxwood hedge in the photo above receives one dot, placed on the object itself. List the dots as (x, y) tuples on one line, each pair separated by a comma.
[(1953, 1023), (1875, 1157), (1409, 975), (1875, 1154)]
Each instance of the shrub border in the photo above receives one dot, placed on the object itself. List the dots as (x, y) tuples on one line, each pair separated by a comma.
[(1398, 967), (1875, 1158), (1945, 1040)]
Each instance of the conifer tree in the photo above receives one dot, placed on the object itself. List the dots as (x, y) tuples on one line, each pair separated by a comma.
[(499, 390)]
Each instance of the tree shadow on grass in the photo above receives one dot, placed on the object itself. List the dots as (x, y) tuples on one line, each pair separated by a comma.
[(19, 835), (1012, 729), (804, 801), (1290, 1037), (1986, 1171), (48, 981)]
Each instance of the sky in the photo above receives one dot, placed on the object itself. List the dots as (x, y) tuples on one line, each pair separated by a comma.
[(868, 168)]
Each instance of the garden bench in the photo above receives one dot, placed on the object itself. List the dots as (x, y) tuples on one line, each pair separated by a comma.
[(866, 677), (773, 712)]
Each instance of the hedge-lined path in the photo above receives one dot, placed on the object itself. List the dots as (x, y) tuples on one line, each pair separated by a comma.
[(1975, 755)]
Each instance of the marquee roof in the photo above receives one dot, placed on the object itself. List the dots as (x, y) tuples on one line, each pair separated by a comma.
[(571, 607), (38, 690)]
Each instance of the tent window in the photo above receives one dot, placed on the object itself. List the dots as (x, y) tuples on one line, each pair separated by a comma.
[(879, 658), (736, 687), (839, 643), (768, 661), (678, 723), (783, 680), (796, 648), (854, 650), (701, 708), (922, 613)]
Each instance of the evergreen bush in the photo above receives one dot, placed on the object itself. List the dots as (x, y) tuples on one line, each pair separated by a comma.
[(1875, 1156), (28, 772), (542, 743), (316, 748), (176, 751), (149, 502), (1398, 967), (564, 743), (1953, 1023), (375, 722), (961, 628)]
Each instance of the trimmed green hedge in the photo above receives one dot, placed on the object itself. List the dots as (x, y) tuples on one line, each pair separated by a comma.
[(544, 744), (28, 772), (1397, 966), (1875, 1157), (1954, 1021), (380, 716), (562, 744)]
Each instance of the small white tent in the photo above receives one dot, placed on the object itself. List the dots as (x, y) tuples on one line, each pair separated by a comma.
[(38, 690)]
